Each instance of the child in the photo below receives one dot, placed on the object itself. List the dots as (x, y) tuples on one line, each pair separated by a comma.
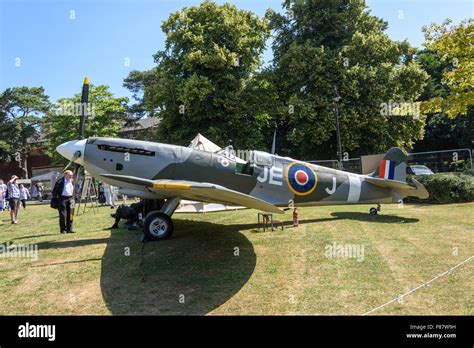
[(24, 195)]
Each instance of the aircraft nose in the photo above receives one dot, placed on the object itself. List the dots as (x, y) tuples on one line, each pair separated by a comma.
[(73, 150)]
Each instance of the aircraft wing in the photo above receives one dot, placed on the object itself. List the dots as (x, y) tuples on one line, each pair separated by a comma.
[(415, 189), (198, 191), (390, 183)]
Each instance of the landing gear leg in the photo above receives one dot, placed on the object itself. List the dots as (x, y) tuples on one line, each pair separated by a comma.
[(158, 224), (374, 211)]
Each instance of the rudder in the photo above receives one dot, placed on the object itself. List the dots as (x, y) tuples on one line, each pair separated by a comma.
[(393, 166)]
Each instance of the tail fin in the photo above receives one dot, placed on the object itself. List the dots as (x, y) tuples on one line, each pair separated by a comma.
[(393, 166), (392, 173)]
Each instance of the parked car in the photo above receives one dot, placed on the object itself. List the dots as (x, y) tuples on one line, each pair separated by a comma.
[(418, 169)]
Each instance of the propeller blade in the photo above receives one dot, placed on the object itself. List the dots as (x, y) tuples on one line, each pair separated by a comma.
[(85, 91), (77, 154), (84, 101)]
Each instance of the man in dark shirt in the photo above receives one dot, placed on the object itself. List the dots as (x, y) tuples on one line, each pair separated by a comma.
[(63, 192)]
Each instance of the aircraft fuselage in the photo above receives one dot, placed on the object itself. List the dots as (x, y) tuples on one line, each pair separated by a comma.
[(277, 180)]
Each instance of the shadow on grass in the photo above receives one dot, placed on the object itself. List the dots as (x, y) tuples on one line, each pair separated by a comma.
[(66, 262), (379, 218), (36, 236), (70, 243), (199, 268), (357, 216)]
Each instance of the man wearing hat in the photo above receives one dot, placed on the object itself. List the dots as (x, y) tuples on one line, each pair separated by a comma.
[(63, 191), (13, 193)]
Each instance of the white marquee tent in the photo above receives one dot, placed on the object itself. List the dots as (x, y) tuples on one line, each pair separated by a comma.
[(51, 177), (200, 142)]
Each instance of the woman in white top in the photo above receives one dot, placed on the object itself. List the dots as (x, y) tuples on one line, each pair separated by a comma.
[(24, 195), (3, 192)]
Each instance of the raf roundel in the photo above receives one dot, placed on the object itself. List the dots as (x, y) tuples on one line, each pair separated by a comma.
[(301, 179), (225, 162)]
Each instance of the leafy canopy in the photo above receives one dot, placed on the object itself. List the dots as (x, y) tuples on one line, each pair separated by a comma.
[(442, 132), (105, 117), (454, 45), (21, 111), (204, 81), (326, 45)]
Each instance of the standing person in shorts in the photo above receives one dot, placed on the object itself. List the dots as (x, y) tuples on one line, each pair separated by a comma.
[(13, 191)]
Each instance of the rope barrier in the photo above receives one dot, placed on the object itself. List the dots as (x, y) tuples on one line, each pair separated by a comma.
[(400, 297)]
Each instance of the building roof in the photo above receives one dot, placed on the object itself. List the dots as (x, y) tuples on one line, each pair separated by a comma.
[(141, 124), (39, 138)]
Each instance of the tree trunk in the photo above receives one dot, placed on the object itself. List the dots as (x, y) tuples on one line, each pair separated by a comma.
[(24, 166)]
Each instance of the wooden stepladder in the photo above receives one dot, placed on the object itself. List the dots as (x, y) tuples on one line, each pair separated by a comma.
[(87, 196)]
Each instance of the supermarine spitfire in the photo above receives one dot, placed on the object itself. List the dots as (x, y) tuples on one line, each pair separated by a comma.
[(265, 182)]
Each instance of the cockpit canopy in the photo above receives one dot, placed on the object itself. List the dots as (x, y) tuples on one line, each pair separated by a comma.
[(256, 159), (261, 158)]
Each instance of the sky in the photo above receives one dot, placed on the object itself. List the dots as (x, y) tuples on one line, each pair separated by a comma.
[(55, 43)]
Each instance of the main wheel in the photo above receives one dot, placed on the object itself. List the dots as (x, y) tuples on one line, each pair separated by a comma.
[(373, 211), (158, 226)]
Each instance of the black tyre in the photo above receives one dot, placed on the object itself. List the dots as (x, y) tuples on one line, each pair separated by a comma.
[(373, 211), (158, 226)]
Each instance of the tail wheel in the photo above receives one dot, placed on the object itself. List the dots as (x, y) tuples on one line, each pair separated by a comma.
[(373, 211), (158, 226)]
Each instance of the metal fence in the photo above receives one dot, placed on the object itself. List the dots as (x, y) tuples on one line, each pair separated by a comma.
[(444, 161), (327, 163), (353, 165), (456, 160)]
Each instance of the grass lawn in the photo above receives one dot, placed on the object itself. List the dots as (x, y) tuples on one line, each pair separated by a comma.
[(220, 263)]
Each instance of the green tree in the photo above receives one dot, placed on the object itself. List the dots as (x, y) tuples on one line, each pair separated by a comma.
[(5, 130), (442, 132), (105, 116), (326, 46), (141, 83), (204, 79), (455, 45), (21, 111)]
